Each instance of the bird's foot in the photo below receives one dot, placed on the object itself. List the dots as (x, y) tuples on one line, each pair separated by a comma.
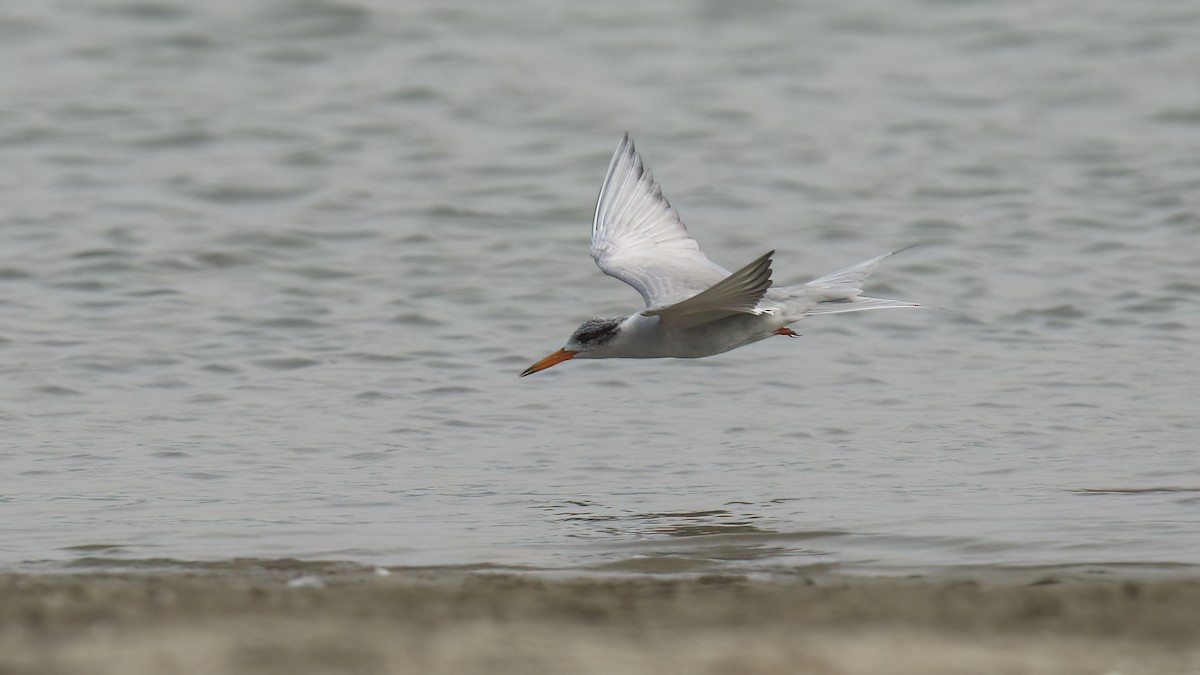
[(786, 331)]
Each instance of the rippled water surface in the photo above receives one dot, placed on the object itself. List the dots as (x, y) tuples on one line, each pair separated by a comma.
[(268, 272)]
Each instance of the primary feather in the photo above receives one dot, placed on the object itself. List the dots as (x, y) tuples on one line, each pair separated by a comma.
[(638, 238)]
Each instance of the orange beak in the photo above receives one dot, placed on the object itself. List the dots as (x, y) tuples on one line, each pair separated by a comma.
[(555, 358)]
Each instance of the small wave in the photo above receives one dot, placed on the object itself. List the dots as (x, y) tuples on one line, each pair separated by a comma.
[(1133, 491), (286, 363), (55, 390)]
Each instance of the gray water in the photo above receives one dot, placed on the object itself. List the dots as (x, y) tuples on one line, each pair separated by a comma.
[(269, 271)]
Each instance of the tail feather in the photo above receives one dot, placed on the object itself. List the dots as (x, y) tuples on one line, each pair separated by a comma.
[(856, 305), (852, 277), (841, 291)]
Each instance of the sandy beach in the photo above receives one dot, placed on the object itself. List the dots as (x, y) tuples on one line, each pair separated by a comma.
[(260, 617)]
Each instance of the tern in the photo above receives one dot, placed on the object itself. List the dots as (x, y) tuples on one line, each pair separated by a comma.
[(694, 307)]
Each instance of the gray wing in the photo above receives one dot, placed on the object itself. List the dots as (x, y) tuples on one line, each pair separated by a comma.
[(638, 238), (737, 293)]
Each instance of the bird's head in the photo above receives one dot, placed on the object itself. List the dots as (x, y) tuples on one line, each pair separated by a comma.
[(588, 341)]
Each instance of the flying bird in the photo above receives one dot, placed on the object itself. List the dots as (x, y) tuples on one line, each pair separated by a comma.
[(694, 307)]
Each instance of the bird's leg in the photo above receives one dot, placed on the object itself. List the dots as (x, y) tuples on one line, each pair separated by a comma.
[(786, 331)]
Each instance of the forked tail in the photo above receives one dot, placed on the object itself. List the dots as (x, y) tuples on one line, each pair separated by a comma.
[(841, 291)]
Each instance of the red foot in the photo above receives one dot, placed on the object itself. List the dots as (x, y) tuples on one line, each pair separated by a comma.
[(786, 331)]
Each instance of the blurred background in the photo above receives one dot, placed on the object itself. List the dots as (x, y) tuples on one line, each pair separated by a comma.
[(269, 271)]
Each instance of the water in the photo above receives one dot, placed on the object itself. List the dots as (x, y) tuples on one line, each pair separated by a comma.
[(268, 272)]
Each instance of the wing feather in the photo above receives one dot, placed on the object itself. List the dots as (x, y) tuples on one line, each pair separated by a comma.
[(738, 293), (638, 238)]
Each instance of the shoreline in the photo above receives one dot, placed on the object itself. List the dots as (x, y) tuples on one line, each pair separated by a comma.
[(251, 617)]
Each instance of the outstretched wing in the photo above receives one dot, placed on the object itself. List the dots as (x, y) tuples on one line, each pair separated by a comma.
[(737, 293), (638, 238)]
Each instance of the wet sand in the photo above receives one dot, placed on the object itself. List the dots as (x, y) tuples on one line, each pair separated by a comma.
[(261, 617)]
